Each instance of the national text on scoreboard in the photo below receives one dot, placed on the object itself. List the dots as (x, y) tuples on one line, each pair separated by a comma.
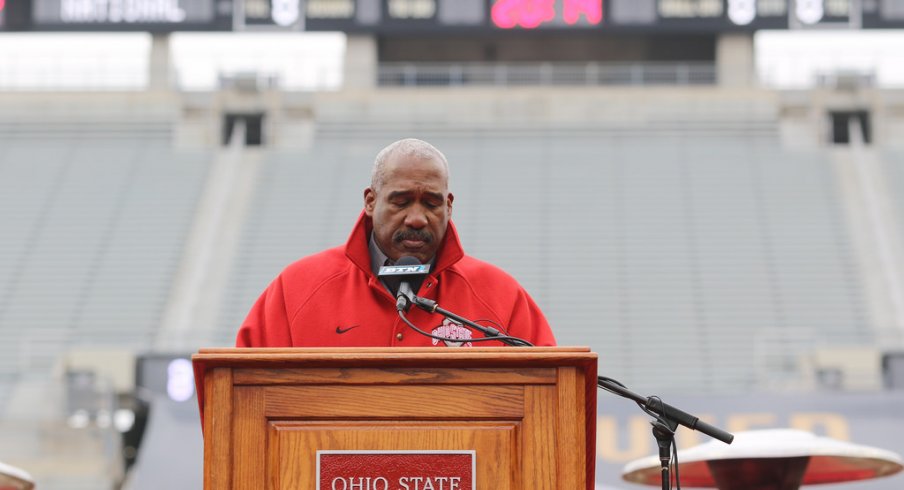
[(130, 15)]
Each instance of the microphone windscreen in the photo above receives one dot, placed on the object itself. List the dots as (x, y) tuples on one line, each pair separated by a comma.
[(408, 260)]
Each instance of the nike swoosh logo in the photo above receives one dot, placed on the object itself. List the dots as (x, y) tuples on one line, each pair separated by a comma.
[(342, 331)]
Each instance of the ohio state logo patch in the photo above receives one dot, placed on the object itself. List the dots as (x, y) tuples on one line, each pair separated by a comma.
[(452, 330)]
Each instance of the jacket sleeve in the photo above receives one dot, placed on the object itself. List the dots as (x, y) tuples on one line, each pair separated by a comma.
[(528, 322), (267, 325)]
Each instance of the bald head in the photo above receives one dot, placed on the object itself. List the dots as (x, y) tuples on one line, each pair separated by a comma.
[(410, 149), (408, 200)]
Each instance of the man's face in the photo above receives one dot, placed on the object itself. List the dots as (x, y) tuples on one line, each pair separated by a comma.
[(411, 210)]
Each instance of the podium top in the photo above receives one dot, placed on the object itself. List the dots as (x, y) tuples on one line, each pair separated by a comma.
[(386, 357), (346, 355)]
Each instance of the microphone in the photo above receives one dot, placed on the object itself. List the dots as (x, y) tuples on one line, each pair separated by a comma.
[(404, 278)]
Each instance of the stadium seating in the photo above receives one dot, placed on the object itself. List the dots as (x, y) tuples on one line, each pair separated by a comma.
[(693, 252), (94, 220), (691, 242)]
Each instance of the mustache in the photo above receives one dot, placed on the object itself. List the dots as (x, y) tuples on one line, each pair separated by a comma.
[(422, 235)]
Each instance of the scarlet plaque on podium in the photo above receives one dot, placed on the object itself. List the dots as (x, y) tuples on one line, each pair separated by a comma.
[(395, 470)]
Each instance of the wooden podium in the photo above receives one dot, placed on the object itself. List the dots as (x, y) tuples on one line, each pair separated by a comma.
[(526, 415)]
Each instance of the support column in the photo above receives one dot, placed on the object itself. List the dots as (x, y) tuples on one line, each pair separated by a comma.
[(360, 64), (735, 62), (159, 68)]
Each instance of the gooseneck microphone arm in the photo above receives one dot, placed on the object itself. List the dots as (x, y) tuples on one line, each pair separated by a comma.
[(501, 338), (490, 332), (408, 270), (655, 405)]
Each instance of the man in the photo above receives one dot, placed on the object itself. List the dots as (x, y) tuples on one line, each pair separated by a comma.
[(334, 298)]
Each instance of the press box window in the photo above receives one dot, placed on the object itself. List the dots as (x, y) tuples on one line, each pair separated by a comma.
[(848, 125), (253, 127)]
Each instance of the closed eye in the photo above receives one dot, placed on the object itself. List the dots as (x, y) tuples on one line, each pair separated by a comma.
[(434, 200)]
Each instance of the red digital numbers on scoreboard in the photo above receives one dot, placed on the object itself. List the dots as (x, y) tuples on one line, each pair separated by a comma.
[(530, 14), (591, 9), (522, 13)]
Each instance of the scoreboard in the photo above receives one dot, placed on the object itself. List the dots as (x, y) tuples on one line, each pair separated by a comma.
[(447, 16), (590, 15)]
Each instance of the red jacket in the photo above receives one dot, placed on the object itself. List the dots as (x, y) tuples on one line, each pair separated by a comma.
[(333, 299)]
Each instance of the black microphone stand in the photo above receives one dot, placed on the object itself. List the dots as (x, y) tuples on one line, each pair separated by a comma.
[(432, 307), (667, 420)]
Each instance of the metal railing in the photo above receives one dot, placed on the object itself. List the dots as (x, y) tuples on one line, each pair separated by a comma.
[(545, 74)]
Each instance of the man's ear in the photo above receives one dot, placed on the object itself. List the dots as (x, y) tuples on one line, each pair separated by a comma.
[(449, 203), (370, 200)]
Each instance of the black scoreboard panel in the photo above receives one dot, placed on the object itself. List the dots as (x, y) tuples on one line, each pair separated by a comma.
[(697, 15), (883, 13), (278, 14), (14, 15), (450, 16), (131, 15), (396, 15)]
